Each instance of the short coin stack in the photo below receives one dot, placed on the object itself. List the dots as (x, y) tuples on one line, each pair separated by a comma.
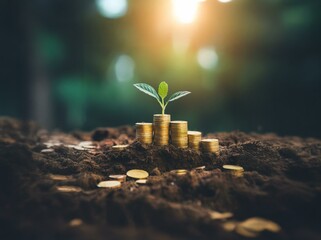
[(144, 132), (161, 129), (210, 146), (235, 170), (179, 134), (194, 139)]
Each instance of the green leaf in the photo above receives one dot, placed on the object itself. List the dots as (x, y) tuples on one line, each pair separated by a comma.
[(178, 95), (149, 90), (163, 89)]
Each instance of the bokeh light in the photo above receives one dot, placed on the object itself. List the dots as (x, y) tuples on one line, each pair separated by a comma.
[(185, 11), (112, 8), (225, 1), (207, 58), (124, 68)]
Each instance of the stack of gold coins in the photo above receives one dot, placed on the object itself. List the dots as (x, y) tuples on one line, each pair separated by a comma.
[(179, 134), (161, 129), (194, 139), (210, 146), (144, 132)]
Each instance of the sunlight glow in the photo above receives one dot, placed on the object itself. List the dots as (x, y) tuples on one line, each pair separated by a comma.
[(207, 58), (185, 11), (225, 1), (112, 8)]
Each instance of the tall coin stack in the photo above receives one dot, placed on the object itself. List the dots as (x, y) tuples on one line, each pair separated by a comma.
[(210, 146), (144, 132), (161, 129), (194, 139), (179, 134)]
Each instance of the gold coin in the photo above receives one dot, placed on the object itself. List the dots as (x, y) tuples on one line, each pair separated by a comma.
[(49, 150), (217, 215), (120, 147), (141, 181), (59, 177), (109, 184), (201, 168), (137, 173), (258, 224), (68, 189), (120, 178), (233, 167), (180, 171), (194, 133)]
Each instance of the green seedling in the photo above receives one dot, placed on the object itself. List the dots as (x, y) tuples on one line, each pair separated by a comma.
[(162, 93)]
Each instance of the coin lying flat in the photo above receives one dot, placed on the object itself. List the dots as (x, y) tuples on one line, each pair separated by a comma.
[(180, 171), (233, 167), (109, 184), (201, 168), (120, 147), (217, 215), (49, 150), (137, 174), (257, 224), (59, 177), (141, 181), (68, 189), (120, 178)]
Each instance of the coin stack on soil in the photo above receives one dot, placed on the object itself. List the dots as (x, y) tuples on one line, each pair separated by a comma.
[(161, 129), (179, 133), (210, 146), (144, 132), (194, 139)]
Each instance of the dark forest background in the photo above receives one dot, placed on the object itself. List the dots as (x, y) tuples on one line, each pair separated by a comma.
[(252, 65)]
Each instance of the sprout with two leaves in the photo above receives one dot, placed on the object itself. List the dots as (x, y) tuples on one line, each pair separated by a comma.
[(162, 93)]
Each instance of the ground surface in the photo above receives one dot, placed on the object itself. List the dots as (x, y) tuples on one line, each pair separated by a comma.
[(282, 182)]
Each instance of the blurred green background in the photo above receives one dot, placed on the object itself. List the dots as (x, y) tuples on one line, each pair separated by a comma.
[(252, 65)]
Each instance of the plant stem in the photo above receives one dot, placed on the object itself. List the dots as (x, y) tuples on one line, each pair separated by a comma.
[(163, 107)]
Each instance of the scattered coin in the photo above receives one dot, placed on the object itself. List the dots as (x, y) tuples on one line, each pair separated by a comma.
[(235, 170), (86, 143), (120, 147), (137, 173), (161, 129), (59, 177), (48, 150), (233, 167), (178, 131), (144, 132), (217, 215), (79, 148), (258, 224), (68, 189), (75, 222), (120, 178), (180, 171), (141, 181), (109, 184), (201, 168)]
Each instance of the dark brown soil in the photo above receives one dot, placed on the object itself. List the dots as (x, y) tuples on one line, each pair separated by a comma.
[(282, 182)]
